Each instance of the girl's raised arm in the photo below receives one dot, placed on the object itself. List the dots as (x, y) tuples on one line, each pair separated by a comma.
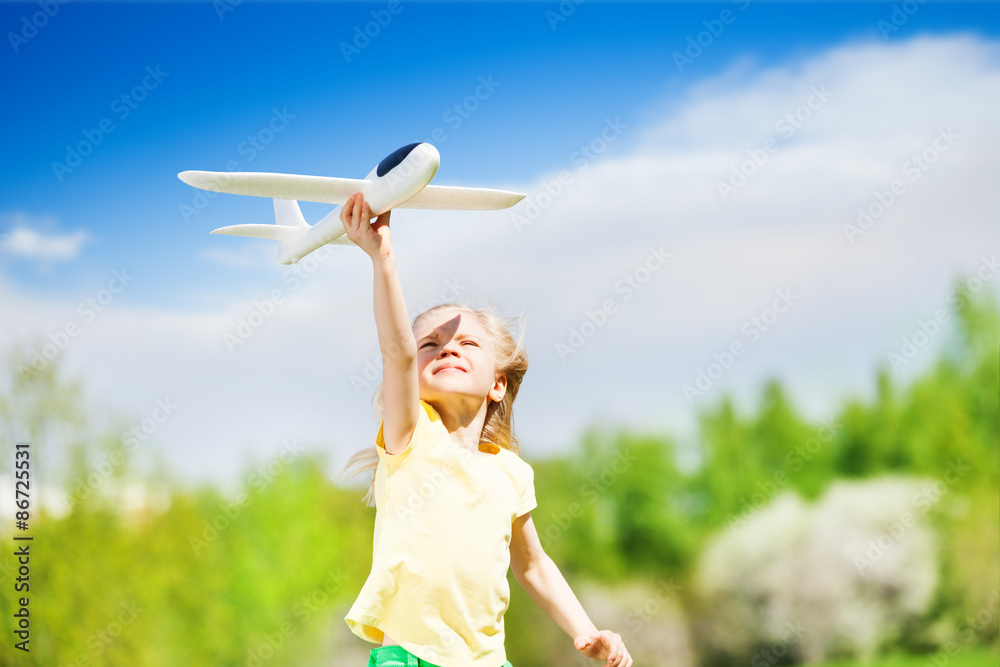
[(400, 386)]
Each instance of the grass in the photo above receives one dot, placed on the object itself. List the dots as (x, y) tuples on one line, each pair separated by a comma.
[(970, 657)]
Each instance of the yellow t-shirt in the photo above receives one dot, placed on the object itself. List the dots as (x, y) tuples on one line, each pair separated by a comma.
[(438, 583)]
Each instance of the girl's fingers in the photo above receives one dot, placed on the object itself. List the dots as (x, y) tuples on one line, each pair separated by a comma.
[(343, 213), (356, 214), (347, 213), (617, 650)]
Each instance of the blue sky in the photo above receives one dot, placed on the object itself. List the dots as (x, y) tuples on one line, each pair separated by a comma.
[(556, 86), (225, 76)]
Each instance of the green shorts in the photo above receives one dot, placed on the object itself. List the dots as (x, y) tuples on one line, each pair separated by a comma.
[(397, 656)]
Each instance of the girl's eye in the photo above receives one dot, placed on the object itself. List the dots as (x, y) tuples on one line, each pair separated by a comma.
[(469, 342), (425, 345)]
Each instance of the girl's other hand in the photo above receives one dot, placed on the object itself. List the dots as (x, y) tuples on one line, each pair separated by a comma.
[(372, 237), (604, 645)]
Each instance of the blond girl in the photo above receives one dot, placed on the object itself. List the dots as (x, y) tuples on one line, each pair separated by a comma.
[(453, 496)]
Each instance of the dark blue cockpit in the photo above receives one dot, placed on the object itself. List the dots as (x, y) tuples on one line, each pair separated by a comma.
[(394, 158)]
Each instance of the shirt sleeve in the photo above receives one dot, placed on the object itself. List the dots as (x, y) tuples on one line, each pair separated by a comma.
[(428, 430), (527, 502)]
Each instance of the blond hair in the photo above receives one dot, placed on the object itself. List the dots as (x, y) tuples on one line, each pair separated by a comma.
[(498, 428)]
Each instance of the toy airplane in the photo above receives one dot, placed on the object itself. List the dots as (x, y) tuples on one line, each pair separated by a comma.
[(398, 181)]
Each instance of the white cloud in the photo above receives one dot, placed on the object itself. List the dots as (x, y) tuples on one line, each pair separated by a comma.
[(784, 229), (24, 240), (255, 256)]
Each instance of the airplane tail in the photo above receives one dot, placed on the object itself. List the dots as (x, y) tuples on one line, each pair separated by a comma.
[(288, 213), (289, 225)]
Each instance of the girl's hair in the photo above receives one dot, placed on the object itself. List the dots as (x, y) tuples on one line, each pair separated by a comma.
[(498, 429)]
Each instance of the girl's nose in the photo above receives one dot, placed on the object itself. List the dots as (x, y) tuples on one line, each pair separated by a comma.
[(448, 348)]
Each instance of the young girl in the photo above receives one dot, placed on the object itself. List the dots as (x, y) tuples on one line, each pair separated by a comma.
[(453, 496)]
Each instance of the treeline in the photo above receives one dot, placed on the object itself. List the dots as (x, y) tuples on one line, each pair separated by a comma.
[(264, 577), (643, 513)]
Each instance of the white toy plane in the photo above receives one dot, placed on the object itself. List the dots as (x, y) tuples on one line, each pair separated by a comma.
[(398, 181)]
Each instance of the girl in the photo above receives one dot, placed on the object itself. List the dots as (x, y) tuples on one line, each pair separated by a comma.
[(453, 496)]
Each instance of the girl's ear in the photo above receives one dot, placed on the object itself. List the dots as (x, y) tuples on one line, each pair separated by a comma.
[(499, 388)]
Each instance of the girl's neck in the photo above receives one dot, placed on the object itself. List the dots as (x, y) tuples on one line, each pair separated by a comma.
[(464, 421)]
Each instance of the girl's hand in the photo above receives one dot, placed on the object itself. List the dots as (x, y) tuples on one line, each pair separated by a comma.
[(374, 238), (604, 645)]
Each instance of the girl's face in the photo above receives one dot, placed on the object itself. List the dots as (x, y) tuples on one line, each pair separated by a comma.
[(454, 357)]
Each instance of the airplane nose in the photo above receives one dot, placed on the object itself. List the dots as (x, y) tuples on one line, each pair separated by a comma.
[(429, 153), (422, 151)]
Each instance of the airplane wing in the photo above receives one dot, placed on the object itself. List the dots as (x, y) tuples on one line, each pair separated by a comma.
[(273, 232), (464, 199), (321, 189), (331, 190)]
